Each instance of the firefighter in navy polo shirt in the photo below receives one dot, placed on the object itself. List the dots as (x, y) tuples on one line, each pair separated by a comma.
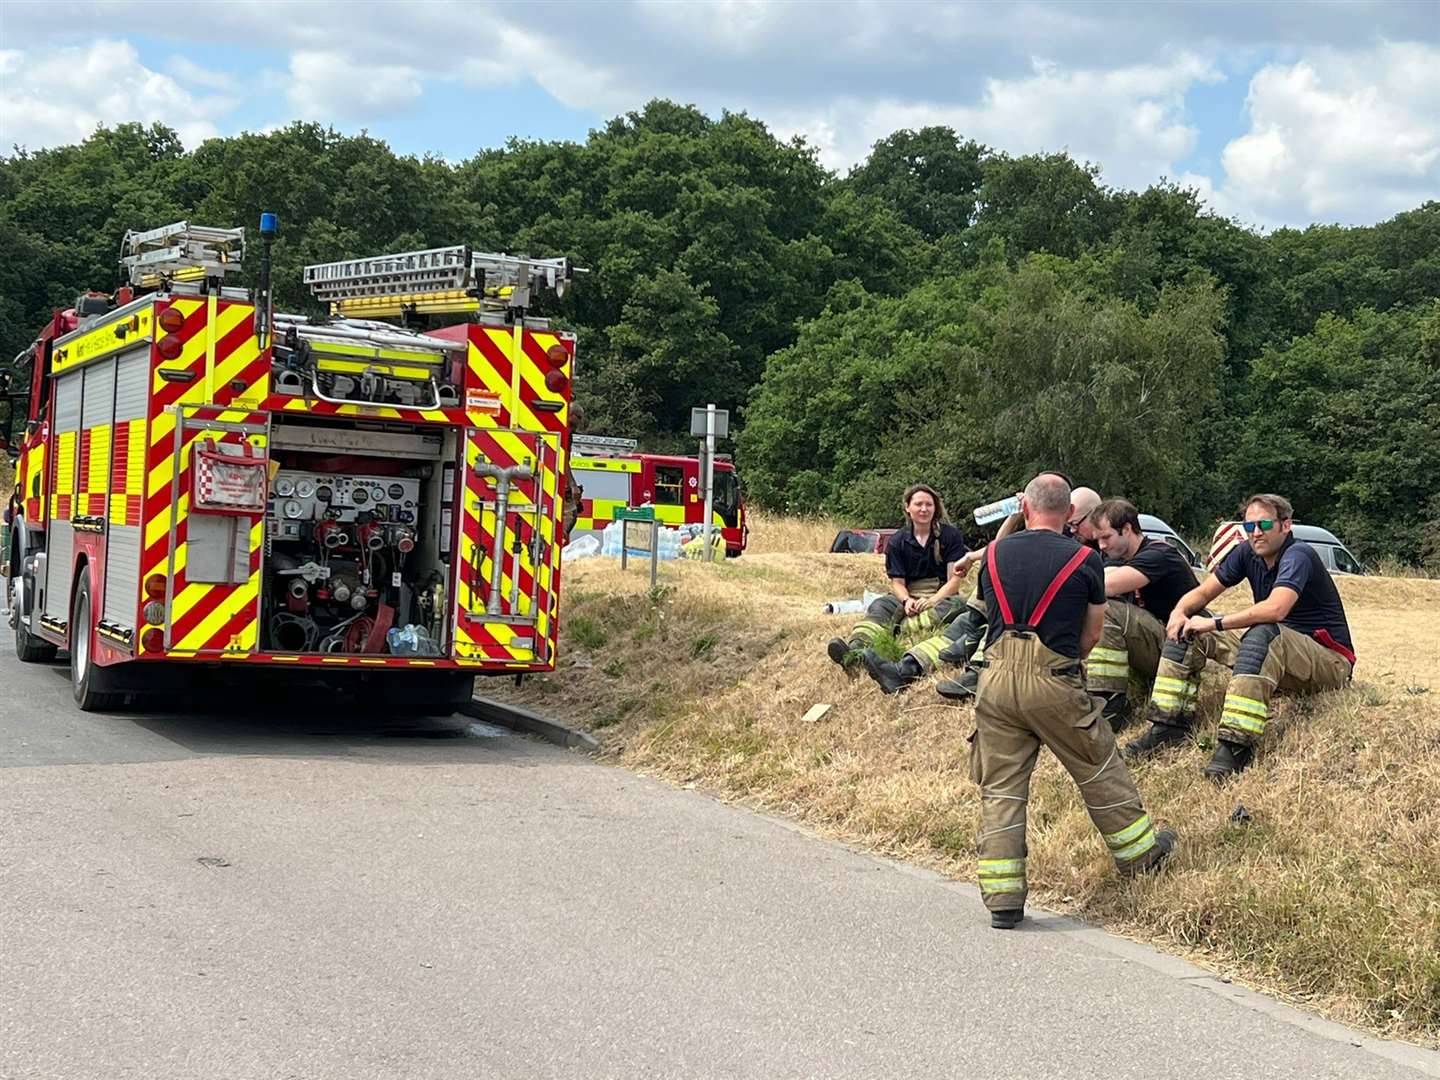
[(1044, 594), (918, 557), (1295, 635), (1144, 580)]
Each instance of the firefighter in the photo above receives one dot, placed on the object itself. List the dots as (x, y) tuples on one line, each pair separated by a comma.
[(1295, 638), (961, 641), (1144, 579), (918, 557), (1044, 594)]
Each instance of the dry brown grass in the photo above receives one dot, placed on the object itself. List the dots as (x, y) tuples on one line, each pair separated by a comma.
[(1330, 896), (772, 533)]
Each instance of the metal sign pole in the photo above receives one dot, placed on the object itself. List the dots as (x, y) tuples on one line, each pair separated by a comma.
[(709, 477)]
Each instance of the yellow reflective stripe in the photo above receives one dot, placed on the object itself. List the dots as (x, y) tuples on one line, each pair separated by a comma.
[(1001, 866), (1119, 656), (927, 653), (1249, 706), (1243, 722), (1002, 875), (1108, 671), (1166, 682), (1129, 833), (999, 885), (1138, 848)]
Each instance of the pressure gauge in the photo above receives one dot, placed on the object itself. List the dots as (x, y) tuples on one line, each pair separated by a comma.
[(294, 508), (378, 494), (305, 488), (396, 491), (284, 486), (359, 496), (323, 493)]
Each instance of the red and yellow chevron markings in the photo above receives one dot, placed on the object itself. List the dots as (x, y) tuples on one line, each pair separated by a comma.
[(520, 577), (204, 617)]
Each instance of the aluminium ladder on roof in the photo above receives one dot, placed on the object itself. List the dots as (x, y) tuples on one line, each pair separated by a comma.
[(181, 248), (435, 272)]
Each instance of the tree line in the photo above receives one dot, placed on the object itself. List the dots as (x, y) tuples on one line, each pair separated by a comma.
[(942, 312)]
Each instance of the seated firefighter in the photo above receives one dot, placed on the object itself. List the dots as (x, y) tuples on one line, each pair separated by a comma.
[(961, 640), (1296, 639), (1144, 580), (917, 561)]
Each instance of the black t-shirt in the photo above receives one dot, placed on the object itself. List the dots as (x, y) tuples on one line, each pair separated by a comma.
[(1167, 572), (1028, 561), (904, 558), (1298, 568)]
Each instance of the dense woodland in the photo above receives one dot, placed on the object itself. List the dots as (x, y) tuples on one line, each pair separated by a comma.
[(944, 312)]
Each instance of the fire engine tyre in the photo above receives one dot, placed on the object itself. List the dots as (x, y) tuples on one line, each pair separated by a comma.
[(94, 686), (29, 648)]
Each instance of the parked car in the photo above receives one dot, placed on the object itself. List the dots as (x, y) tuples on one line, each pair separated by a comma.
[(861, 541), (1157, 529), (1332, 551)]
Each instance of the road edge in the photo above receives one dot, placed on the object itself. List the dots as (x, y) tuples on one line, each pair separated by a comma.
[(517, 718)]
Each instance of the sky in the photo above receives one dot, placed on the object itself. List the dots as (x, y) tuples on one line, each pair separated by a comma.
[(1278, 113)]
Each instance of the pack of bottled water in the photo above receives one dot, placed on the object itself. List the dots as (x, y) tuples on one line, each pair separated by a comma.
[(669, 541)]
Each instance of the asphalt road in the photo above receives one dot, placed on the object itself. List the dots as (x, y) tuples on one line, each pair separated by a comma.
[(266, 892)]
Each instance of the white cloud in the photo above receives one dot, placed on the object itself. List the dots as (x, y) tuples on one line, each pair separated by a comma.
[(1131, 120), (1338, 137), (188, 71), (331, 85), (55, 96)]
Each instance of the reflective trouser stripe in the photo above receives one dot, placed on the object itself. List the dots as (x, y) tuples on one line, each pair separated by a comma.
[(1172, 695), (926, 620), (866, 631), (1244, 713), (927, 652), (1132, 841), (1002, 875), (1108, 664)]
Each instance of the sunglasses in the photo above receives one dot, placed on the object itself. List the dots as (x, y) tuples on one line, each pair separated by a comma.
[(1264, 525)]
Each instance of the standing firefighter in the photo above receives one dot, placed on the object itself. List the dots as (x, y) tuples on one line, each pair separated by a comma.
[(1045, 597), (1296, 638), (917, 561)]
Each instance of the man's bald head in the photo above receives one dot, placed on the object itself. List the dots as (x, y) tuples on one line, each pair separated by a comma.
[(1084, 500), (1048, 494)]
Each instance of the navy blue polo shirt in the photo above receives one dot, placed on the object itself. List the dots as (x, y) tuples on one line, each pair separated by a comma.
[(1298, 568), (904, 558)]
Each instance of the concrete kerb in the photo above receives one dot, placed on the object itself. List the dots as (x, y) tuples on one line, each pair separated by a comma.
[(532, 723)]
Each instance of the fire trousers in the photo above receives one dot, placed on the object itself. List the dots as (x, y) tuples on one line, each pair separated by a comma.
[(1177, 678), (962, 635), (1130, 645), (1272, 657), (1030, 696), (887, 615)]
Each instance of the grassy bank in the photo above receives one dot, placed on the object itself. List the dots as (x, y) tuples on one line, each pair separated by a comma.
[(1329, 896)]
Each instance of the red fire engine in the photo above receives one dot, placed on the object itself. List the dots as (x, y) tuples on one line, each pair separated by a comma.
[(614, 476), (205, 482)]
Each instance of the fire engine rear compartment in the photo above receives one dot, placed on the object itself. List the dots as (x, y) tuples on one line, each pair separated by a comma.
[(359, 532)]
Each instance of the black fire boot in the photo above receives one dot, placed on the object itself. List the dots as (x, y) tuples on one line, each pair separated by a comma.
[(892, 677), (1229, 759), (1007, 919), (1165, 841), (1156, 739), (839, 650), (965, 634), (961, 689), (1116, 711)]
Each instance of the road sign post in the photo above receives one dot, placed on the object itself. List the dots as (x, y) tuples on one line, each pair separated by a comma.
[(711, 423)]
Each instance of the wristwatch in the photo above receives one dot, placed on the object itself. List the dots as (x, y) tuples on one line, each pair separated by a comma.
[(1219, 622)]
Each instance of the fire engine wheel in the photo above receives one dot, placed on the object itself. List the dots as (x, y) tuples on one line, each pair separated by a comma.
[(93, 685), (29, 648)]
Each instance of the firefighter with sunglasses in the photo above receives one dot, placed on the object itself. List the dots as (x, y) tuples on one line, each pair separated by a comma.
[(1295, 638), (1044, 595)]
